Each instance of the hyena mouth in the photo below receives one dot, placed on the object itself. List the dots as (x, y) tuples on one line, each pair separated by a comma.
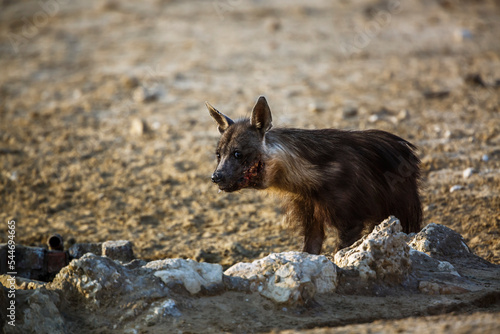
[(250, 176)]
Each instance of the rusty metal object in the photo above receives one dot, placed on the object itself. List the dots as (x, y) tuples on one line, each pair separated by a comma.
[(55, 242), (56, 260), (36, 263)]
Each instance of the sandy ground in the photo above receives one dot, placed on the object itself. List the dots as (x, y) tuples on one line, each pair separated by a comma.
[(79, 79)]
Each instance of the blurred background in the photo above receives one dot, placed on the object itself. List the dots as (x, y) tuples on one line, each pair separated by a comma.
[(104, 134)]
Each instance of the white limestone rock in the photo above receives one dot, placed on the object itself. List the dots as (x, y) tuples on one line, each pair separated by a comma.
[(191, 274), (290, 277), (381, 255)]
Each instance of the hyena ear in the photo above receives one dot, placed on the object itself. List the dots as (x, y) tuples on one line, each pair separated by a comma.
[(223, 122), (261, 116)]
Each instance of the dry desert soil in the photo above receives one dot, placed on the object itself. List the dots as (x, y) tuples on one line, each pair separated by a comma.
[(104, 134)]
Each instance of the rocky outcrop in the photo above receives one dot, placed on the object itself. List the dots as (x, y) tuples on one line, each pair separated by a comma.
[(386, 261), (98, 280), (381, 255)]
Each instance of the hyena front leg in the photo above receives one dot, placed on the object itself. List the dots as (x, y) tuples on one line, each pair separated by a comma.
[(300, 213), (313, 238), (313, 221)]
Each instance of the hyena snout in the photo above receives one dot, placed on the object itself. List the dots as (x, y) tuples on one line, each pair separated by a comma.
[(217, 177)]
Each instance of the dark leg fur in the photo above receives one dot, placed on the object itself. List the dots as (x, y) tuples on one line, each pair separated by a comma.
[(349, 235), (314, 217), (309, 215), (313, 238), (314, 234)]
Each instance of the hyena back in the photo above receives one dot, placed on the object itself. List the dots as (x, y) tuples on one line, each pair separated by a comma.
[(348, 180)]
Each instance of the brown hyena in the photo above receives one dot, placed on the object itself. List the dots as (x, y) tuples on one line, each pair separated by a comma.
[(349, 180)]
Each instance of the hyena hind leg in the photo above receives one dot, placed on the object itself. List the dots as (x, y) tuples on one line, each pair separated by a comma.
[(347, 235)]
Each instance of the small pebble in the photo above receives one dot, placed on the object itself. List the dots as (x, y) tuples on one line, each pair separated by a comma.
[(468, 172), (475, 79), (373, 118), (462, 34), (315, 107), (273, 25), (430, 207), (403, 114), (393, 119), (138, 127), (13, 176), (77, 94), (456, 187), (130, 82), (349, 111), (485, 157), (156, 125), (141, 94), (168, 308)]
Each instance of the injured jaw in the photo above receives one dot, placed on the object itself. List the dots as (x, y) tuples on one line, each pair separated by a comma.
[(249, 178)]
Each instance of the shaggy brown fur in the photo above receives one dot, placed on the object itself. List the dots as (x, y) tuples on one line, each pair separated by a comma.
[(348, 180)]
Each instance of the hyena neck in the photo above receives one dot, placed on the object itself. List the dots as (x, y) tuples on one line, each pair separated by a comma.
[(286, 168)]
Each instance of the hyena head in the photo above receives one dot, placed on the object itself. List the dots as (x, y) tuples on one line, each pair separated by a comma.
[(240, 151)]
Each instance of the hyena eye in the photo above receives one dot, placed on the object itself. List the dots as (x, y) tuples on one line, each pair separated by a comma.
[(217, 154), (238, 155)]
